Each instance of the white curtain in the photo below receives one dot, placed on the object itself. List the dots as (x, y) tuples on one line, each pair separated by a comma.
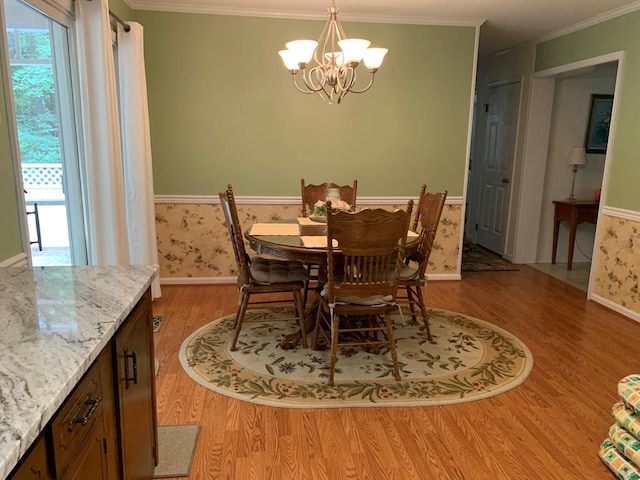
[(136, 143), (104, 194)]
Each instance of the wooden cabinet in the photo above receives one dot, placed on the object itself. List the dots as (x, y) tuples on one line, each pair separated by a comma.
[(78, 423), (106, 429), (133, 347), (91, 461), (35, 465)]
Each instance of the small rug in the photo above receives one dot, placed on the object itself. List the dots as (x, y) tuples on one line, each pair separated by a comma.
[(157, 322), (470, 359), (176, 444), (478, 259)]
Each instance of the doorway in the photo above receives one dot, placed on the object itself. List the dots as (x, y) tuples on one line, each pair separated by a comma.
[(531, 217), (573, 93), (43, 103)]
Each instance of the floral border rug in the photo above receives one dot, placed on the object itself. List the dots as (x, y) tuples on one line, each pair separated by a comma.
[(469, 359)]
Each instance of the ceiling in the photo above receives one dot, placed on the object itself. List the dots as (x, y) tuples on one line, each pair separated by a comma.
[(505, 23)]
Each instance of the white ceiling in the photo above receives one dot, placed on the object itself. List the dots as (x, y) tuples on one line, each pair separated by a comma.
[(505, 23)]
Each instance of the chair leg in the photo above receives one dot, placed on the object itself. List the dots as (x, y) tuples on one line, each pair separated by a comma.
[(301, 320), (306, 287), (412, 303), (316, 332), (423, 309), (242, 310), (334, 347), (392, 347)]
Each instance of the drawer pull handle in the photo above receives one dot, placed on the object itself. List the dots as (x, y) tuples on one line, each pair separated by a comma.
[(134, 366), (93, 405)]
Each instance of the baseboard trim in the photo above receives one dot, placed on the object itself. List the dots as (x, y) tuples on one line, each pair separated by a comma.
[(198, 281), (616, 307), (20, 260), (443, 276), (234, 280)]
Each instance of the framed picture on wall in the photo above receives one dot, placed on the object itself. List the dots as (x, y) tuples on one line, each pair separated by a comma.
[(599, 122)]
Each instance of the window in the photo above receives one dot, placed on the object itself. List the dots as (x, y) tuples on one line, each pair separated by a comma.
[(39, 54)]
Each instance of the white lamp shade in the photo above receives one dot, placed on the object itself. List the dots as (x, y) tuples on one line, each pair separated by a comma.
[(353, 49), (373, 57), (303, 49), (577, 156), (290, 60)]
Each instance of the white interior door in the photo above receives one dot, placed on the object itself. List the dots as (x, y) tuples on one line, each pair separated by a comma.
[(497, 166)]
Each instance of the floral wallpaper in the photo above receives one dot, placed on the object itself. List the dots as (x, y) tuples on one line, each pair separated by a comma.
[(193, 240), (618, 265)]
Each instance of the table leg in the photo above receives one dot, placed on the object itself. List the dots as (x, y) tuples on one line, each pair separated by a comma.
[(290, 341), (556, 225), (572, 241)]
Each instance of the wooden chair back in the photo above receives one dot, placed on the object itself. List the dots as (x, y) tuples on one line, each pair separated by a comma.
[(427, 219), (372, 246), (312, 193), (228, 204)]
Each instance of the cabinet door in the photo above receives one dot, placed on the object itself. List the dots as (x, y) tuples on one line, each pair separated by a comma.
[(35, 464), (91, 461), (136, 392)]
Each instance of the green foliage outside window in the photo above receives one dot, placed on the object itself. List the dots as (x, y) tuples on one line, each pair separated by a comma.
[(34, 93)]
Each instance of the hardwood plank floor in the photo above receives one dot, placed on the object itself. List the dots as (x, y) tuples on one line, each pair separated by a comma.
[(548, 428)]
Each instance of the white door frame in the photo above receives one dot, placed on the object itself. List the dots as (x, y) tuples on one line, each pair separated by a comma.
[(534, 157)]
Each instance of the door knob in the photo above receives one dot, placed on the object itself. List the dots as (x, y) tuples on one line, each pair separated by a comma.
[(506, 180)]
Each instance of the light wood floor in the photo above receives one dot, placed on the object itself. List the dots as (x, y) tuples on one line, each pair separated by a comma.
[(548, 428)]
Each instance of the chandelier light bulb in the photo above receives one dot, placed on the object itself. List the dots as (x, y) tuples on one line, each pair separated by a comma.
[(373, 57), (290, 60), (353, 49), (302, 50)]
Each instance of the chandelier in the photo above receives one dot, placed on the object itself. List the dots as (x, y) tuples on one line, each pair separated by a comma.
[(336, 58)]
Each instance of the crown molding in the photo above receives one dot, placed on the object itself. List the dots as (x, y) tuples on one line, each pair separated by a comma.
[(618, 12), (192, 7)]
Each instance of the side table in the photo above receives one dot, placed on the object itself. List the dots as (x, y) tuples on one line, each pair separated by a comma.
[(573, 212)]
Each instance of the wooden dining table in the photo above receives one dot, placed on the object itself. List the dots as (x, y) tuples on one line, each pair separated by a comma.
[(300, 239)]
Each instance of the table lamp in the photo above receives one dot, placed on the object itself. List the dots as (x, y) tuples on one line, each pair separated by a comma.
[(577, 156)]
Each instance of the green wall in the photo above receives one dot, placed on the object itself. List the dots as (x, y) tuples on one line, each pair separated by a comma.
[(619, 34), (121, 9), (10, 238), (223, 109)]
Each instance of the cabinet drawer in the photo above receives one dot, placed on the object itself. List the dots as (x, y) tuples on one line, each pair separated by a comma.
[(74, 421)]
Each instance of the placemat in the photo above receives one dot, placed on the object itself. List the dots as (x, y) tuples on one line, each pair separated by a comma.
[(275, 229), (317, 241)]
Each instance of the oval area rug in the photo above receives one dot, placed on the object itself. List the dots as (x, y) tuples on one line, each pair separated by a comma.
[(470, 359)]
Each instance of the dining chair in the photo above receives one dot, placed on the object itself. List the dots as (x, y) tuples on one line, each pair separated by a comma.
[(412, 276), (362, 280), (312, 193), (262, 276)]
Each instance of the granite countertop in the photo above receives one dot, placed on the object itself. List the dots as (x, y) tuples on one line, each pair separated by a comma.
[(54, 321)]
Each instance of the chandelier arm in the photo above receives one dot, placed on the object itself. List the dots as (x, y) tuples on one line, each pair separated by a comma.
[(301, 90), (367, 87), (328, 97), (310, 84), (348, 76)]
